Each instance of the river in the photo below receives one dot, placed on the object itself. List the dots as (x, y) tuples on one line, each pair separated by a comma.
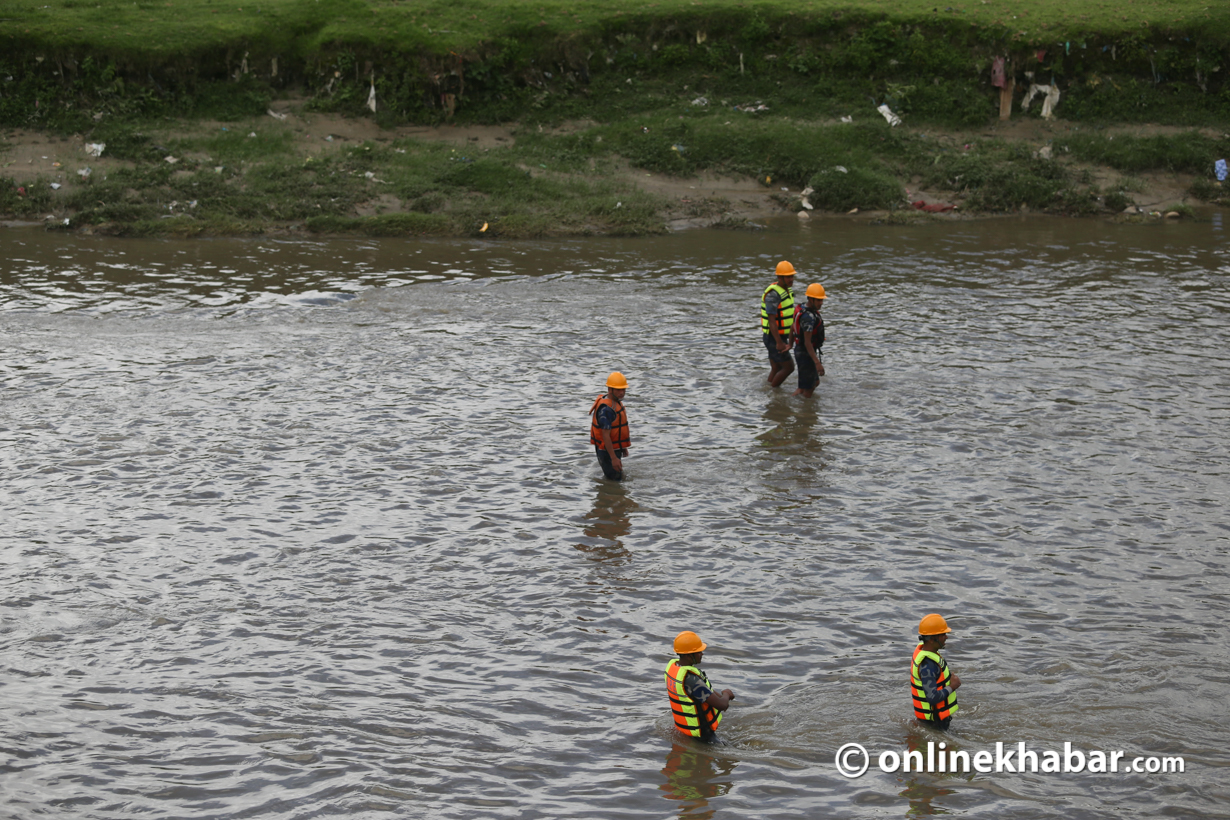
[(312, 528)]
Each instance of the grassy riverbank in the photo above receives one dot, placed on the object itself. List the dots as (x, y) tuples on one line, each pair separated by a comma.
[(591, 100)]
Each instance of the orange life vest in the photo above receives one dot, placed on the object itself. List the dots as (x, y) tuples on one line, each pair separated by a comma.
[(620, 439), (691, 718)]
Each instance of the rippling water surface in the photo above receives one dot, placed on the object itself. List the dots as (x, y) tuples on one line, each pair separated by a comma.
[(312, 529)]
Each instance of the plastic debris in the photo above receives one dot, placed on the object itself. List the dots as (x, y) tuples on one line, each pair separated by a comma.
[(933, 207), (1050, 98), (841, 169), (892, 119), (95, 149), (847, 119), (56, 165), (804, 215), (275, 114), (1043, 153), (251, 134), (219, 168), (192, 204), (1172, 214), (328, 138), (756, 106), (21, 191), (84, 173), (997, 71), (806, 204), (170, 160), (55, 186), (700, 101), (483, 229), (371, 95), (1221, 170)]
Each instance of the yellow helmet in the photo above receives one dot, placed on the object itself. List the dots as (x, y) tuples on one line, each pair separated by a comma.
[(687, 642), (933, 625), (784, 268), (816, 291), (617, 381)]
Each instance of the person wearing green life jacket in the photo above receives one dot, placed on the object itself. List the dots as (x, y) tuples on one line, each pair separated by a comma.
[(777, 323), (696, 706), (932, 685)]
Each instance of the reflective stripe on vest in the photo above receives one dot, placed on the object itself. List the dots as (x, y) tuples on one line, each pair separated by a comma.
[(785, 311), (620, 439), (922, 706), (691, 718)]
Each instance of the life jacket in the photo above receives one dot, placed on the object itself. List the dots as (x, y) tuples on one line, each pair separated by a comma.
[(817, 332), (620, 439), (922, 706), (785, 311), (691, 718)]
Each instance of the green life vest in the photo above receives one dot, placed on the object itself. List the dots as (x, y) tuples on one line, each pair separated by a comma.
[(785, 311)]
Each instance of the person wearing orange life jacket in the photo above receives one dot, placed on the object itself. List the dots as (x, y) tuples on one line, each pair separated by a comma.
[(777, 323), (608, 427), (695, 705), (932, 685)]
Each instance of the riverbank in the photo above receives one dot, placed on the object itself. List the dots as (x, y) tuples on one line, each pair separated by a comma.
[(296, 171), (380, 119)]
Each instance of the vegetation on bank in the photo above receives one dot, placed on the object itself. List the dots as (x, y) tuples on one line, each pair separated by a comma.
[(674, 87)]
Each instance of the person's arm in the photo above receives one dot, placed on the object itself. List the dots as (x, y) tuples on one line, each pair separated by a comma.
[(811, 351), (928, 675), (697, 691), (610, 450)]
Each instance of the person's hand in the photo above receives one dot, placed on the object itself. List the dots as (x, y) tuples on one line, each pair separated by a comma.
[(618, 464), (782, 345), (820, 369), (956, 682), (729, 694)]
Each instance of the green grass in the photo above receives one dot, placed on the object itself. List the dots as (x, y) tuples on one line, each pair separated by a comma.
[(250, 176), (1190, 152), (179, 29), (412, 188), (639, 70), (74, 61)]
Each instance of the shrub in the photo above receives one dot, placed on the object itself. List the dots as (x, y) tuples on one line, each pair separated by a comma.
[(856, 188)]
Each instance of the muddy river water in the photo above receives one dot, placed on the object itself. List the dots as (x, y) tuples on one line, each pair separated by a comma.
[(311, 529)]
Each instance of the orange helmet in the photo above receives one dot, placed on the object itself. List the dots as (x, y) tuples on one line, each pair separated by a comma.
[(687, 642), (816, 291), (784, 268), (617, 381), (933, 625)]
